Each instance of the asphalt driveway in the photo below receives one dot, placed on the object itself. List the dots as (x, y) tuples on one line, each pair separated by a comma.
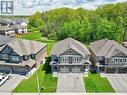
[(70, 83), (118, 82), (11, 83)]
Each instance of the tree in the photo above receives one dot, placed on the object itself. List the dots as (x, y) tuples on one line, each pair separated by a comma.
[(75, 29)]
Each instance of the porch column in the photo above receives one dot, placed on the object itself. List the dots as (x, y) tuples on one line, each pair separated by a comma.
[(105, 69)]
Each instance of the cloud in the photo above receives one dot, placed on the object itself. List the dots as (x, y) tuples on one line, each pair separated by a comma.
[(28, 7)]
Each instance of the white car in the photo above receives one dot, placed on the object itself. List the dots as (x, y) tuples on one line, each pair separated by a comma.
[(4, 77)]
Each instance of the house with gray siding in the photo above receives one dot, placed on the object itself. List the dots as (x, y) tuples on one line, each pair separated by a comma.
[(7, 31), (109, 56), (70, 56), (20, 55)]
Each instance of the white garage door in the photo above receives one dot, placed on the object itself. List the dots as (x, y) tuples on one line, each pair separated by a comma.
[(64, 69), (76, 69)]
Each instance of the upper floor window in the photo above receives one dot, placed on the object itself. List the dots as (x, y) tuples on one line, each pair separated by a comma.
[(4, 56), (77, 59), (32, 56), (55, 59), (25, 57), (119, 60), (15, 58), (64, 59)]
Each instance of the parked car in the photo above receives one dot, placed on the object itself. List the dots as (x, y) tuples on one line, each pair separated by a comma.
[(4, 77)]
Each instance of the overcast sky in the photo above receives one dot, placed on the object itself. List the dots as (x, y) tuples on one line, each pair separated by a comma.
[(28, 7)]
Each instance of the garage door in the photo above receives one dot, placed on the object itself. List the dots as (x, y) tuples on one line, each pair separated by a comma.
[(122, 70), (64, 69), (76, 69), (110, 70), (19, 71), (5, 69)]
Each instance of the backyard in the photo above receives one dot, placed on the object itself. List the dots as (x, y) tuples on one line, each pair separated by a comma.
[(46, 81), (96, 83)]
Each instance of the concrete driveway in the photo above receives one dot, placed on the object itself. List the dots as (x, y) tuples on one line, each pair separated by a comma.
[(70, 83), (118, 82), (11, 83)]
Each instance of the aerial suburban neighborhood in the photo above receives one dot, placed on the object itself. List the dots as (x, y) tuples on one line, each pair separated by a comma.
[(12, 28), (73, 47)]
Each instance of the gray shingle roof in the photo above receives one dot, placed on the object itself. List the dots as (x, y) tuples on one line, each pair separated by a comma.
[(18, 27), (5, 28), (5, 40), (69, 43), (106, 48), (26, 47)]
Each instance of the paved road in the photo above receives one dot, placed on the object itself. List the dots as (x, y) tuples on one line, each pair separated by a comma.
[(11, 83), (70, 83), (118, 81)]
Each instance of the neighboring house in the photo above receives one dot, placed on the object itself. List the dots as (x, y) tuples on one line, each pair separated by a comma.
[(20, 55), (17, 25), (20, 29), (124, 44), (7, 31), (20, 26), (70, 55), (6, 22), (109, 56)]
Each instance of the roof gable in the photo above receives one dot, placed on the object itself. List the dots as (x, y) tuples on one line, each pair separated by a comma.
[(7, 49), (73, 52), (67, 44), (108, 49), (117, 53)]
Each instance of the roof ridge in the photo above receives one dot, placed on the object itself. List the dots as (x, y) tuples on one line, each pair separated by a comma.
[(31, 46), (109, 49), (105, 42), (20, 41)]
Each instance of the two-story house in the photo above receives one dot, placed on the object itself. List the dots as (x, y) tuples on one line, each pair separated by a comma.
[(70, 55), (109, 56), (7, 31), (20, 55), (19, 29)]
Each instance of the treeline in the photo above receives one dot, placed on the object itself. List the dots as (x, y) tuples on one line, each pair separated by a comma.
[(109, 21)]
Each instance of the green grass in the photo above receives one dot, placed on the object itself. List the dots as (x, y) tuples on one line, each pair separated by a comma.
[(45, 79), (32, 36), (37, 37), (96, 83)]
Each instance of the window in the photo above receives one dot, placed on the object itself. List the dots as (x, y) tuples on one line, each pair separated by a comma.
[(15, 58), (70, 52), (32, 56), (77, 59), (64, 59), (25, 57), (4, 56)]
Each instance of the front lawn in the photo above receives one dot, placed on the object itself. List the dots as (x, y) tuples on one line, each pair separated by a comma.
[(96, 83), (45, 79)]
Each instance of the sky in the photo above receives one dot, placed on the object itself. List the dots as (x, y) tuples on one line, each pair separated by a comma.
[(28, 7)]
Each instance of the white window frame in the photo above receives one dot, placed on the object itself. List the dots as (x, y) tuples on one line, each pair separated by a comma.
[(15, 58)]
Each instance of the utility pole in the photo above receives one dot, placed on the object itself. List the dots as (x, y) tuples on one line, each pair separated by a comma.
[(38, 84)]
